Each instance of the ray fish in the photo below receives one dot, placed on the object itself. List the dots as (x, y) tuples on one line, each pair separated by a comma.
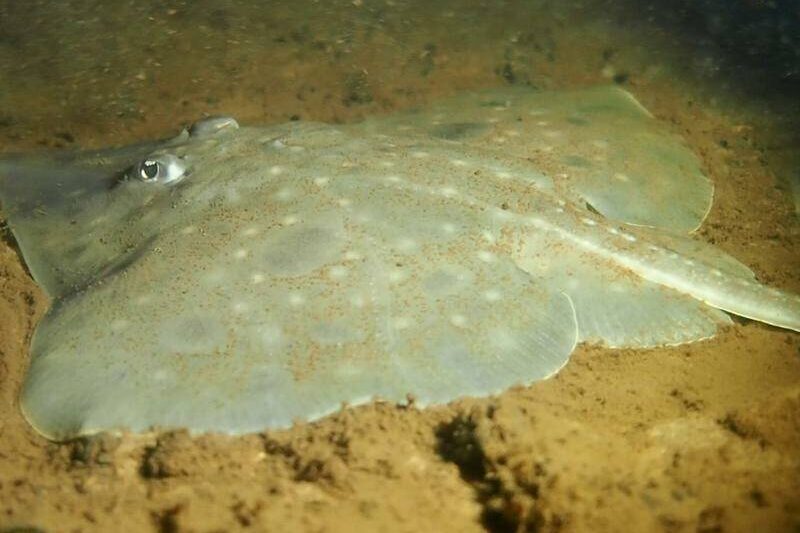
[(233, 279)]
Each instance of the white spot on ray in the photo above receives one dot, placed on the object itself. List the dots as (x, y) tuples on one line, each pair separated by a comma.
[(276, 170), (504, 340), (188, 230), (501, 215), (458, 162), (232, 196), (362, 217), (321, 181), (396, 275), (387, 164), (249, 232), (289, 220), (492, 295), (419, 154), (448, 191), (616, 287), (337, 272), (449, 228), (458, 321), (351, 255), (257, 278), (215, 277), (285, 193), (296, 299), (486, 256), (241, 253), (344, 202), (271, 335), (357, 300), (401, 322), (406, 244)]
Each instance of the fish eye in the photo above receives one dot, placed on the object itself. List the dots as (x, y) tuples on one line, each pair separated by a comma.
[(148, 170), (165, 169)]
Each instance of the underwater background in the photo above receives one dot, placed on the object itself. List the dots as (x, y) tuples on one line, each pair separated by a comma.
[(703, 437)]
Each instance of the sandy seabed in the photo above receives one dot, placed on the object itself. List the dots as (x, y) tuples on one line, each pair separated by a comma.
[(702, 437)]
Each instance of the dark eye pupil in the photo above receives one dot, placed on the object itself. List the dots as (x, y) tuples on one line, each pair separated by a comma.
[(149, 170)]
